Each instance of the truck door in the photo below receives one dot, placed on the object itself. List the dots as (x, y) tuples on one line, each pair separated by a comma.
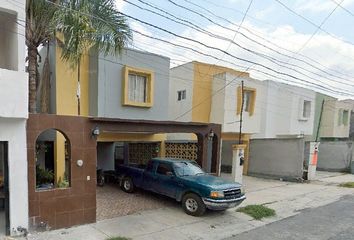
[(166, 180), (149, 177)]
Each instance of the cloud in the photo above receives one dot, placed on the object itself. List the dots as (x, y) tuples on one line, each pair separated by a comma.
[(120, 5)]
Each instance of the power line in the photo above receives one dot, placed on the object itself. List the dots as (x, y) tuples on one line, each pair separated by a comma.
[(270, 42), (274, 60), (312, 23), (257, 70), (220, 50), (319, 27), (343, 8), (324, 88), (212, 94)]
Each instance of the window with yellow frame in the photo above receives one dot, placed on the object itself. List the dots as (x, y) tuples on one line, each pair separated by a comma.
[(138, 87), (249, 100)]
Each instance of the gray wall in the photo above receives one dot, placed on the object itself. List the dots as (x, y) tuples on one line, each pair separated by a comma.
[(105, 155), (106, 77), (277, 158), (335, 156), (226, 155)]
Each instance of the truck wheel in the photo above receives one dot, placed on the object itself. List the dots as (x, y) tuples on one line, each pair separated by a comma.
[(193, 204), (127, 185)]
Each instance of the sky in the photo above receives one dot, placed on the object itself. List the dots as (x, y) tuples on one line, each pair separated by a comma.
[(313, 48)]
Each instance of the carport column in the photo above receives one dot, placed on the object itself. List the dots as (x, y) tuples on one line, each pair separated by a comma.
[(202, 151), (312, 163), (238, 158)]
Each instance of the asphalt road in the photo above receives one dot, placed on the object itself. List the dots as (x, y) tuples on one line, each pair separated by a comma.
[(331, 222)]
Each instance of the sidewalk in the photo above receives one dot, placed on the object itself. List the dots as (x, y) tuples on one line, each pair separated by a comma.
[(172, 223)]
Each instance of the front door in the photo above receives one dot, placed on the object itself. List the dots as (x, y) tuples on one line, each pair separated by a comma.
[(4, 190)]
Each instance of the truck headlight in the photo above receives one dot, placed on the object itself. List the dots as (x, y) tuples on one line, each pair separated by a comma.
[(217, 194)]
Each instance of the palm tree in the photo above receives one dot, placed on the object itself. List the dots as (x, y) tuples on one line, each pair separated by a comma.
[(38, 32), (90, 23), (84, 24)]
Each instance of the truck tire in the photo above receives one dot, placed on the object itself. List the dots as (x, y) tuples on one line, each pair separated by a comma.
[(193, 205), (127, 185)]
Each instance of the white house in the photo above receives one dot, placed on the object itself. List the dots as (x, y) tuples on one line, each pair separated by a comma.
[(286, 111), (13, 115)]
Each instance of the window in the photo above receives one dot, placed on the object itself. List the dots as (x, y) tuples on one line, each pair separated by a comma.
[(247, 96), (181, 95), (306, 110), (9, 41), (249, 100), (164, 169), (138, 87), (52, 160), (343, 116)]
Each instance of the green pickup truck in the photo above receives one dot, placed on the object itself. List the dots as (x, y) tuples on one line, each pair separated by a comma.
[(184, 181)]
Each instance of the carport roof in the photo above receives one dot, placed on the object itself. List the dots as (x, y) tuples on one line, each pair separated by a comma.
[(121, 120)]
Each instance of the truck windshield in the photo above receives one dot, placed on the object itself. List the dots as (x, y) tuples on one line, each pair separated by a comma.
[(187, 169)]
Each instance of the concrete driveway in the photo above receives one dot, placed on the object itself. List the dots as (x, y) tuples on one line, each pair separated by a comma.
[(288, 199)]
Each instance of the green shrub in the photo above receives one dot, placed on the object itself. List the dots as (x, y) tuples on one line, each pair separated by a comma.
[(43, 176), (347, 185), (257, 211)]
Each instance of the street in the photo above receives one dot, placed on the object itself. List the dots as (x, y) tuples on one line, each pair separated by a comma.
[(330, 222)]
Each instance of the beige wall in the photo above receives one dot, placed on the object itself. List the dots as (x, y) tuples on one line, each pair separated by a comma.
[(330, 125)]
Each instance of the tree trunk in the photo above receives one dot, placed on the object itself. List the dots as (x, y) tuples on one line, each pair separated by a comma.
[(78, 93), (44, 86), (32, 76)]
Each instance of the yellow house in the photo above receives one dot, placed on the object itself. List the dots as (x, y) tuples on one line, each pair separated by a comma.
[(133, 85)]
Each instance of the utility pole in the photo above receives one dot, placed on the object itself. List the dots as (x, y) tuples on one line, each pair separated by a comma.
[(242, 102), (319, 121)]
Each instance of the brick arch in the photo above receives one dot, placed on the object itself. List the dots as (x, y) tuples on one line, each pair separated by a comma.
[(59, 208)]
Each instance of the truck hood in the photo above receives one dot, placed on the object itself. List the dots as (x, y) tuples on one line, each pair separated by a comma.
[(210, 181)]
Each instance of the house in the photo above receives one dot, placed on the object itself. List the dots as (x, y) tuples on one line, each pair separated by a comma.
[(287, 111), (13, 115), (212, 94)]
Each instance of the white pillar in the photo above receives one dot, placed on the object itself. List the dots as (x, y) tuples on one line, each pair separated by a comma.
[(238, 158), (312, 162)]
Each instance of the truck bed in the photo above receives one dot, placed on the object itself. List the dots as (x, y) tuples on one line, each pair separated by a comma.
[(135, 171)]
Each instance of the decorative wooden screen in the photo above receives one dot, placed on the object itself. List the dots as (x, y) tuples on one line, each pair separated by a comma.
[(186, 150), (140, 153)]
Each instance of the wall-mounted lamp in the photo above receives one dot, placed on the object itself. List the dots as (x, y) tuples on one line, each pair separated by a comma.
[(79, 163), (210, 135), (95, 132)]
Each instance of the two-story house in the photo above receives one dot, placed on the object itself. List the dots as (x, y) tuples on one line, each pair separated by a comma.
[(13, 115), (208, 93)]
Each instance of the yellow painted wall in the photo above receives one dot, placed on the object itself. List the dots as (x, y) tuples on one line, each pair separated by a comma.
[(202, 88), (245, 140), (135, 137), (66, 86), (59, 157)]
